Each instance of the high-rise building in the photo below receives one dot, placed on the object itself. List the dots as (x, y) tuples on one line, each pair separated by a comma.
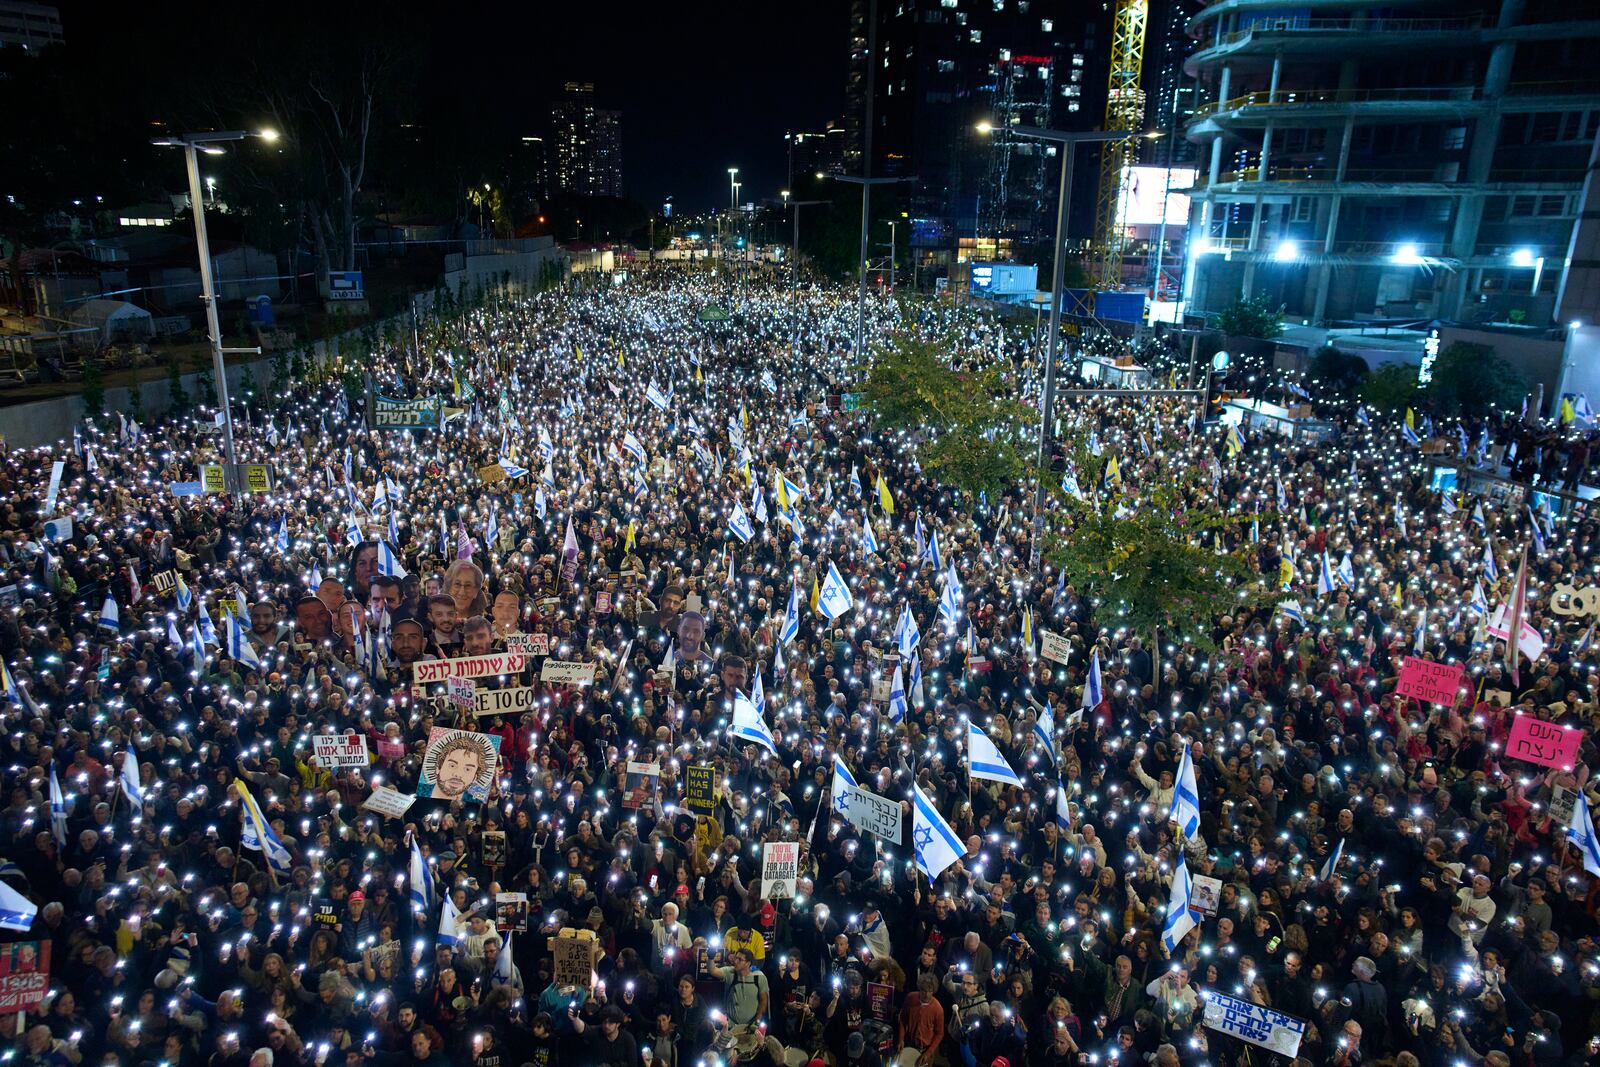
[(531, 167), (943, 66), (1174, 99), (822, 152), (588, 144), (31, 27), (1408, 162)]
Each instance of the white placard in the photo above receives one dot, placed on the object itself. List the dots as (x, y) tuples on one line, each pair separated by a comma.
[(55, 486), (461, 692), (1054, 647), (340, 750), (560, 672), (1206, 893), (780, 866), (507, 701), (426, 671), (528, 644), (1251, 1022), (391, 802), (874, 814)]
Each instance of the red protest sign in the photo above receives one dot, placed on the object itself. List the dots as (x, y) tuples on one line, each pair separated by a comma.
[(1437, 683), (1545, 743), (24, 975)]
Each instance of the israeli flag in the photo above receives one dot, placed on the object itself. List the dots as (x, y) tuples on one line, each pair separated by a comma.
[(512, 470), (906, 634), (1290, 609), (1490, 571), (180, 590), (791, 617), (1063, 808), (656, 397), (1479, 604), (984, 759), (748, 724), (1409, 434), (503, 967), (634, 447), (421, 881), (950, 604), (916, 681), (937, 846), (1185, 809), (739, 523), (352, 530), (1361, 415), (933, 552), (452, 925), (17, 912), (758, 504), (1347, 572), (1093, 693), (394, 525), (208, 631), (920, 536), (58, 809), (843, 782), (1044, 730), (758, 697), (1580, 831), (1331, 864), (1179, 920), (173, 637), (897, 697), (131, 783), (262, 834), (238, 644), (855, 480), (1325, 583), (1538, 532), (834, 599), (869, 540), (110, 616), (281, 538), (540, 506), (197, 645), (389, 563)]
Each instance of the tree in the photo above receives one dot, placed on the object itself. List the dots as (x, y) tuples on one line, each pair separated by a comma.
[(1153, 568), (177, 395), (968, 432), (1338, 372), (1470, 379), (94, 388), (1392, 387), (1251, 318)]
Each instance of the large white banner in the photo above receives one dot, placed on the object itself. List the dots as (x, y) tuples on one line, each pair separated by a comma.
[(1251, 1022)]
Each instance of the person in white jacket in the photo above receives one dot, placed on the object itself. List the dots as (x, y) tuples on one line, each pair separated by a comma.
[(667, 934), (1474, 910)]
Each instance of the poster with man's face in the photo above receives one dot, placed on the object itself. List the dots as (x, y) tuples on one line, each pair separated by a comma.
[(458, 765)]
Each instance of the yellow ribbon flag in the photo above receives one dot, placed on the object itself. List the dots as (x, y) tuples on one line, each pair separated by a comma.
[(1285, 573), (620, 361), (627, 545), (578, 349), (699, 379), (884, 499), (1411, 418), (782, 495), (1568, 413), (816, 592)]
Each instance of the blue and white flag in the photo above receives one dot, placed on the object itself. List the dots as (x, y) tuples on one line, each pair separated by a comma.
[(1063, 805), (1347, 572), (1044, 730), (1490, 571), (1185, 809), (389, 563), (758, 504), (1479, 605), (950, 604), (1580, 831), (906, 634), (1179, 919), (58, 809), (1331, 864), (897, 697), (748, 724), (259, 833), (656, 397), (1290, 609), (453, 927), (131, 783), (739, 523), (238, 644), (420, 881), (1409, 434), (17, 912), (208, 631), (933, 552), (984, 759), (791, 617), (843, 782), (1325, 583), (855, 480), (1093, 692), (110, 615), (281, 536), (937, 846), (869, 540), (834, 600)]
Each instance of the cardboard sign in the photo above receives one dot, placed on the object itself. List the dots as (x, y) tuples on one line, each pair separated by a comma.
[(1251, 1022), (780, 866), (458, 765), (1436, 683), (1206, 893), (511, 912), (506, 701), (602, 602), (24, 975), (461, 692), (528, 644), (213, 478), (427, 671), (257, 478), (1054, 647), (875, 814), (491, 474), (1544, 743), (560, 672), (641, 784), (700, 788), (388, 802), (340, 750), (880, 688), (573, 962)]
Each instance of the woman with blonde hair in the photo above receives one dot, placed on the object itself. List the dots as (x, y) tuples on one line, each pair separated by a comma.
[(463, 583)]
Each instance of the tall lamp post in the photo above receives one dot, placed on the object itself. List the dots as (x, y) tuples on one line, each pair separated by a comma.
[(794, 243), (1069, 141), (733, 188), (193, 144), (861, 294)]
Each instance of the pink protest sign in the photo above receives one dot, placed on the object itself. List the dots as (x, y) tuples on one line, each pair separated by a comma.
[(1437, 683), (1544, 743)]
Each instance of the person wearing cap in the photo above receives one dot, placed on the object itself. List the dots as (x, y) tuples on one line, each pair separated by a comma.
[(357, 929), (744, 937)]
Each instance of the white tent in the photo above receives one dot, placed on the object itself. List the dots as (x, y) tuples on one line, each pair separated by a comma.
[(115, 319)]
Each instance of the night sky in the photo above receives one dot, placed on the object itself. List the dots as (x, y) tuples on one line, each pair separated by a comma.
[(702, 86)]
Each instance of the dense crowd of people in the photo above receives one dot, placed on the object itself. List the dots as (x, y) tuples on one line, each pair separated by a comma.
[(609, 669)]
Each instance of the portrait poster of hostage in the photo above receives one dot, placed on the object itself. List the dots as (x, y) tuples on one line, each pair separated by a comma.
[(458, 765)]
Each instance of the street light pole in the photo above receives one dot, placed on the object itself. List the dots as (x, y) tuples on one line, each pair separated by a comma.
[(1068, 140), (733, 188), (861, 294)]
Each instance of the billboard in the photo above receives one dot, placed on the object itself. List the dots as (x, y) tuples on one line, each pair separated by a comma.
[(1142, 190), (999, 279)]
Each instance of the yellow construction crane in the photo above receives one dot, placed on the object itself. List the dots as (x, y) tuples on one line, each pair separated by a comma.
[(1124, 111)]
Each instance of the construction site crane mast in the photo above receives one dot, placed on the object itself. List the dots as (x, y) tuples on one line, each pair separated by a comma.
[(1124, 111)]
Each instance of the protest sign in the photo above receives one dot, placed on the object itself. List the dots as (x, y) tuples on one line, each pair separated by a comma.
[(780, 866), (639, 787), (602, 602), (461, 692), (340, 750), (573, 954), (1054, 647), (875, 814), (1436, 683), (1562, 803), (56, 469), (492, 473), (325, 913), (700, 788), (492, 848), (427, 671), (1206, 893), (419, 414), (528, 644), (164, 582), (560, 672), (213, 477), (511, 912), (257, 477), (388, 802), (458, 765), (506, 701), (1251, 1022), (1545, 743), (24, 975)]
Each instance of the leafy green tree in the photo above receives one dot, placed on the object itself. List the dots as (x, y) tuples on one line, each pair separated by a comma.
[(1338, 372), (94, 388), (1469, 379), (969, 433), (1251, 318), (1392, 387)]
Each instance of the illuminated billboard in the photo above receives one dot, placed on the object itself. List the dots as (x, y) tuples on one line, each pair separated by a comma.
[(1142, 189)]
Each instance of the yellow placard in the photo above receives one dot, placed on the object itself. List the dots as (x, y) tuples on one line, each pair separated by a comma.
[(257, 479), (213, 478)]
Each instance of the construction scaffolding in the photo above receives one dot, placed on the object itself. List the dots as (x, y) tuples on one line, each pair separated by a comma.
[(1124, 111)]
